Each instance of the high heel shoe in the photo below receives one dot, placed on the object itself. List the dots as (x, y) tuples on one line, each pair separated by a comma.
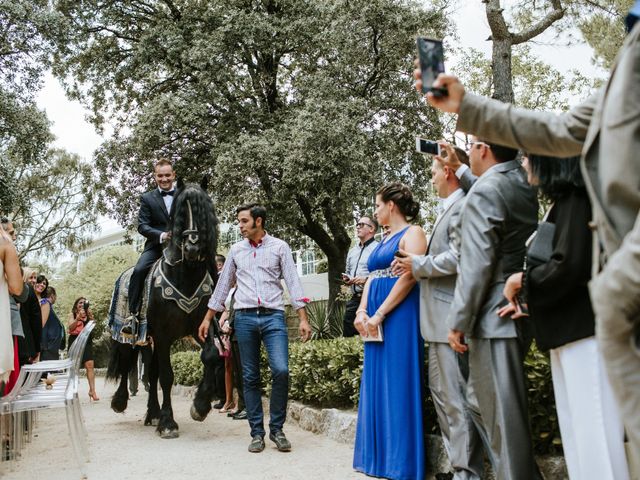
[(227, 407), (93, 397)]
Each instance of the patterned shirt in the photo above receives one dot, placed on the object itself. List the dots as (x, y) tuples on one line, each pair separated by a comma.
[(258, 270)]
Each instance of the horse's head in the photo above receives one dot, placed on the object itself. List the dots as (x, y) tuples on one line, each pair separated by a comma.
[(193, 224)]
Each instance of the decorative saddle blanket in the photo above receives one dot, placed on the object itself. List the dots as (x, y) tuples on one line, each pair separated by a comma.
[(119, 309)]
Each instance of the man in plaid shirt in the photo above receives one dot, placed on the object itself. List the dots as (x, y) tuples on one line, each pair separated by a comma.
[(257, 265)]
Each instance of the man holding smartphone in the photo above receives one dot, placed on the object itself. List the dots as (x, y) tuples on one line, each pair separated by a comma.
[(357, 271), (437, 271)]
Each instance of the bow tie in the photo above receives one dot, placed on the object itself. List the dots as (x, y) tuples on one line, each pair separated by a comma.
[(165, 193)]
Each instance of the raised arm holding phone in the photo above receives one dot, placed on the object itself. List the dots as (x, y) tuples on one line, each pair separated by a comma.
[(605, 131)]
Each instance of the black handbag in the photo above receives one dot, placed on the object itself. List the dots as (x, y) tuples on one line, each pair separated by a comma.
[(540, 247)]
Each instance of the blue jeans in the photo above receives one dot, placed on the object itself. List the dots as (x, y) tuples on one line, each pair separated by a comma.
[(271, 329)]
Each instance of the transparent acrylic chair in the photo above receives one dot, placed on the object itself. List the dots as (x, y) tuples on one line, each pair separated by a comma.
[(31, 395)]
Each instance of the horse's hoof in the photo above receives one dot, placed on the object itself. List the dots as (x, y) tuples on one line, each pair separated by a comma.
[(168, 433), (195, 415), (118, 405)]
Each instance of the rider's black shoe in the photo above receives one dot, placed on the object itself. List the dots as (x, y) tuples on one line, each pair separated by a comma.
[(127, 329)]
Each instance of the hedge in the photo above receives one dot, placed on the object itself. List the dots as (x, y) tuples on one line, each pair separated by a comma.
[(326, 373)]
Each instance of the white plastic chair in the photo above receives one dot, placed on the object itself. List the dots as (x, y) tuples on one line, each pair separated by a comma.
[(32, 396)]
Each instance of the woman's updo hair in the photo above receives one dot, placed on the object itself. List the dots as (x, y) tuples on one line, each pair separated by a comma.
[(402, 196)]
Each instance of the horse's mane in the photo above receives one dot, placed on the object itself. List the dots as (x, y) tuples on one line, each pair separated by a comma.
[(203, 215)]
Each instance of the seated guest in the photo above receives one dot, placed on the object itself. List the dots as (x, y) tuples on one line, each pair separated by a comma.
[(558, 301)]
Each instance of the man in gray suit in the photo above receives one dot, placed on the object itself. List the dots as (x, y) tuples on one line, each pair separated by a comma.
[(605, 129), (498, 215), (448, 371)]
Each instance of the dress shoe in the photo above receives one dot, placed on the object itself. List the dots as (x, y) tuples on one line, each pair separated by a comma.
[(281, 441), (241, 415), (257, 444), (444, 476), (219, 405)]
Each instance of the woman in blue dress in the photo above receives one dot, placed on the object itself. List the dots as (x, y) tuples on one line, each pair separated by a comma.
[(389, 433)]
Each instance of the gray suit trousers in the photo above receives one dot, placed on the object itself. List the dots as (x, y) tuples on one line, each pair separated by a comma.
[(447, 382), (497, 398)]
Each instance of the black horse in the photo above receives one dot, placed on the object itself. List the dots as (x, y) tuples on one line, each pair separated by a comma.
[(179, 286)]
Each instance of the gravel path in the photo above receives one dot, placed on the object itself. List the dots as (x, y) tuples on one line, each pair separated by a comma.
[(122, 448)]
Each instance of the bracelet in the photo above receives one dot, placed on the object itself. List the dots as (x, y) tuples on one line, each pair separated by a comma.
[(379, 314), (361, 310)]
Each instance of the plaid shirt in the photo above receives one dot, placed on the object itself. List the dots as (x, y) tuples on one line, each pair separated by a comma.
[(258, 271)]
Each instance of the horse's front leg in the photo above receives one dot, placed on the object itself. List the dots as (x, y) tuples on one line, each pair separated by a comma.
[(210, 385), (153, 406), (167, 427)]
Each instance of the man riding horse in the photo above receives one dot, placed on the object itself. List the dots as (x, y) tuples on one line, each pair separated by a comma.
[(153, 221), (170, 300)]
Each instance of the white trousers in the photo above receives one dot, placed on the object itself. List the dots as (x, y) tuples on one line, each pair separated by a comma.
[(590, 423)]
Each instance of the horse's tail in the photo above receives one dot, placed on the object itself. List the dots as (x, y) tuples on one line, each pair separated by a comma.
[(122, 359)]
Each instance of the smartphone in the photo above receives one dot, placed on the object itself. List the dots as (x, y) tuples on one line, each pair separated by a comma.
[(399, 254), (86, 305), (345, 277), (428, 146), (431, 56)]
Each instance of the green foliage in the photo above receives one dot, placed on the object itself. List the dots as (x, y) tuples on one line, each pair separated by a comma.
[(94, 281), (536, 84), (326, 373), (325, 324), (602, 26), (305, 106), (56, 205), (187, 368), (542, 408)]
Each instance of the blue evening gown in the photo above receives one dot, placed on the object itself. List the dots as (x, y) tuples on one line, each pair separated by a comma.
[(389, 433)]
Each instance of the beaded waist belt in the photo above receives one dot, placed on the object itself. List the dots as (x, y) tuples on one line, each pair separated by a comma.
[(383, 273)]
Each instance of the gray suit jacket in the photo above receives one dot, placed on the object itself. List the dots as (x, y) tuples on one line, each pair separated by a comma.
[(498, 215), (437, 274), (606, 130)]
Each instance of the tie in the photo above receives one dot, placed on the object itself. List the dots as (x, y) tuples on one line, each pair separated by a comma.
[(170, 193)]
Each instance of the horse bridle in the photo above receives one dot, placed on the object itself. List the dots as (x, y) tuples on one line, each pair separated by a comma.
[(189, 236)]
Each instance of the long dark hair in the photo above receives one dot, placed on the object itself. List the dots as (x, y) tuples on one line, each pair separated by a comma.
[(402, 196), (557, 177), (203, 215)]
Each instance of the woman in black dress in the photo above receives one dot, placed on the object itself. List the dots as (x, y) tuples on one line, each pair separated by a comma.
[(80, 315)]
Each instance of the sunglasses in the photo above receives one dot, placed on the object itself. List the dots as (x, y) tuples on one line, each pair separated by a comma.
[(361, 225)]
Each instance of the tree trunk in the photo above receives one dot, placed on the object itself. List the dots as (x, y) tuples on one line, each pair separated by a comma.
[(501, 69), (336, 266)]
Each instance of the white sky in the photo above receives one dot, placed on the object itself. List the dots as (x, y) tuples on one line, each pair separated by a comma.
[(74, 134)]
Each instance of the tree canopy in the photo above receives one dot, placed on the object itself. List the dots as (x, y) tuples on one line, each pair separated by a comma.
[(306, 106)]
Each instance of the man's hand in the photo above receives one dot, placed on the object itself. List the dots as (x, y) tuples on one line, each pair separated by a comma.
[(402, 265), (203, 329), (513, 286), (512, 310), (360, 281), (447, 103), (451, 160), (456, 341), (304, 330)]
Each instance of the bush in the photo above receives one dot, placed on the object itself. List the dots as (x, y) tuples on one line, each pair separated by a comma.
[(187, 368), (326, 373)]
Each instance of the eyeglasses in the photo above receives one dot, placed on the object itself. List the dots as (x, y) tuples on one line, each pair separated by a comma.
[(473, 144), (361, 225)]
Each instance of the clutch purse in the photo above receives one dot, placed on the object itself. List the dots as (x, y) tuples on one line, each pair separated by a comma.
[(540, 248), (369, 338)]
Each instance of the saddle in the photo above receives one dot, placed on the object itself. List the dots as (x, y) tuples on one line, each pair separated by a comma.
[(119, 308)]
